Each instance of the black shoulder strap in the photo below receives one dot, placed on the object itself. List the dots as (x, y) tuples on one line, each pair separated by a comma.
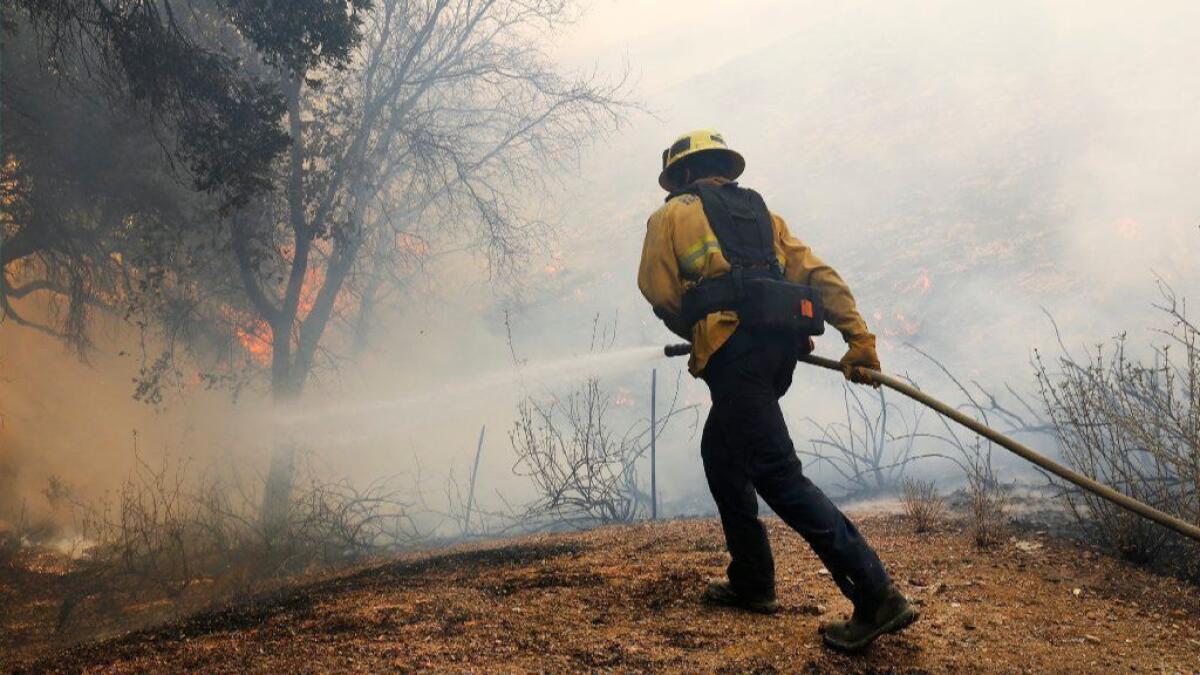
[(741, 222)]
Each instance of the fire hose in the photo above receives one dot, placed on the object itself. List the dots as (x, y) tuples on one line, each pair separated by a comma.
[(1020, 449)]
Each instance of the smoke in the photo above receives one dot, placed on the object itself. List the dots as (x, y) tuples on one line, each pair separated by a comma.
[(78, 422), (972, 170), (969, 168)]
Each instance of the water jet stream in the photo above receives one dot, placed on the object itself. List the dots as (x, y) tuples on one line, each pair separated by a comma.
[(526, 376)]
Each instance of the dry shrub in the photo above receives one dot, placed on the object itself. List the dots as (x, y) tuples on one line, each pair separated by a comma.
[(987, 501), (162, 533), (922, 503), (584, 472), (10, 546), (12, 537), (19, 530), (583, 465), (1134, 425), (874, 446)]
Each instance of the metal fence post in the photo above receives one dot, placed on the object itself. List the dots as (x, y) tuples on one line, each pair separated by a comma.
[(653, 449)]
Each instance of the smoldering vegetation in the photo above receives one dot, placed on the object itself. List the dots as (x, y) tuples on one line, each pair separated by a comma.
[(382, 276)]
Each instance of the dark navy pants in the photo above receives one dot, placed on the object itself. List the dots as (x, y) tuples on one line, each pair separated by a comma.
[(747, 450)]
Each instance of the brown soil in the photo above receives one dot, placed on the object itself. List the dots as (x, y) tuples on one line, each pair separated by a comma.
[(627, 599)]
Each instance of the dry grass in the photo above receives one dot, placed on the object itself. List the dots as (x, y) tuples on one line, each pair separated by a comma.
[(170, 528), (626, 599), (922, 504), (987, 515)]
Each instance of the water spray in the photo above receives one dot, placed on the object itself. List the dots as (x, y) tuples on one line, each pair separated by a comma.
[(1020, 449)]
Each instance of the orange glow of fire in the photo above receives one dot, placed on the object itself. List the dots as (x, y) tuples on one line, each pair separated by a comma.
[(1129, 228), (904, 326), (255, 338), (254, 335), (555, 265), (412, 245), (920, 286)]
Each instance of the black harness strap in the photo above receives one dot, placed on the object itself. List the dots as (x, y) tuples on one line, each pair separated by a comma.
[(755, 286), (741, 223)]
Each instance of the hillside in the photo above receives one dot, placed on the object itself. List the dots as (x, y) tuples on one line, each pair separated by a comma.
[(626, 599)]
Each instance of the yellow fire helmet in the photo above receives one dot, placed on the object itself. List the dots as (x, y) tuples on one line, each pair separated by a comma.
[(695, 142)]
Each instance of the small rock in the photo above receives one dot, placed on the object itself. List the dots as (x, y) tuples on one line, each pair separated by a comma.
[(1077, 592), (823, 572), (1092, 639)]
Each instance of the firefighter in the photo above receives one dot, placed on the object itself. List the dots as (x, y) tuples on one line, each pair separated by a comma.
[(722, 271)]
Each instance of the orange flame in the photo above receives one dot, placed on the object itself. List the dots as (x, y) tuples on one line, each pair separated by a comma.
[(255, 338), (920, 285), (623, 398), (412, 244), (254, 334), (1129, 228)]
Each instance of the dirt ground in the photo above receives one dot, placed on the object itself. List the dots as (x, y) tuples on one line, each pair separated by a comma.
[(627, 599)]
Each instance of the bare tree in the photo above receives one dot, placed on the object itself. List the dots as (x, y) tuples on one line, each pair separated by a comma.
[(446, 122)]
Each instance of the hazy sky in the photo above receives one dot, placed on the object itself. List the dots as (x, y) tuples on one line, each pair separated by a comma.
[(668, 41)]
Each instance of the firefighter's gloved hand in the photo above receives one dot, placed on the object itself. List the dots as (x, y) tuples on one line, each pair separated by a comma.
[(861, 354)]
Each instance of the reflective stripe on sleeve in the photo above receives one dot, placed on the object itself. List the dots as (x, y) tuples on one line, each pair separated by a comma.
[(692, 258)]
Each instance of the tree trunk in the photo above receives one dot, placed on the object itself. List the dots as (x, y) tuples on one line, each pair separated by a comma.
[(281, 476), (285, 388), (287, 377)]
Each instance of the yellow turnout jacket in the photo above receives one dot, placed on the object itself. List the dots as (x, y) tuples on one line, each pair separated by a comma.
[(681, 249)]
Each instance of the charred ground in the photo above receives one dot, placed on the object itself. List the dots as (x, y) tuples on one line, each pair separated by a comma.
[(627, 599)]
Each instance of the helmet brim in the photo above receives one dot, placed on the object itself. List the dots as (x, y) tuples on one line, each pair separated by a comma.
[(737, 164)]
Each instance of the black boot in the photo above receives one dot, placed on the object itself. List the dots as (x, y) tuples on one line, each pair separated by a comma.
[(890, 613), (721, 593)]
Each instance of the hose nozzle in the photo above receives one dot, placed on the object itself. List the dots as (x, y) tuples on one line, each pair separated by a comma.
[(681, 349)]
